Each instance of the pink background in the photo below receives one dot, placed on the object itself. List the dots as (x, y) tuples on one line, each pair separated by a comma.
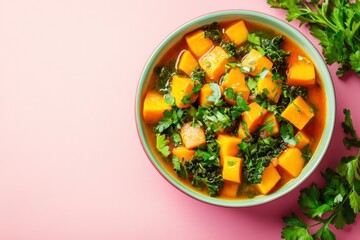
[(71, 164)]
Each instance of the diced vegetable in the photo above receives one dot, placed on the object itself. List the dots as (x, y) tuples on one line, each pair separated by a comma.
[(213, 63), (254, 117), (181, 91), (228, 146), (235, 79), (301, 73), (154, 107), (270, 178), (298, 113), (183, 154), (232, 169), (291, 161), (237, 32), (230, 189), (256, 62), (205, 92), (187, 62), (198, 43), (192, 136), (270, 124), (241, 133), (270, 87), (302, 139)]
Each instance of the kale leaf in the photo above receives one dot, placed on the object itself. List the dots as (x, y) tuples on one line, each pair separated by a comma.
[(257, 154), (212, 31), (163, 76), (273, 50), (203, 175)]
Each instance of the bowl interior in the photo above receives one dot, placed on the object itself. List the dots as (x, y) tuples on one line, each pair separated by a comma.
[(281, 27)]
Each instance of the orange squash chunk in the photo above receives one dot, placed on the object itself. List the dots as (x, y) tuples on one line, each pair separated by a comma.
[(298, 113), (269, 179), (198, 43), (187, 62), (302, 139), (183, 154), (232, 169), (256, 62), (237, 32), (230, 189), (180, 88), (253, 117), (228, 146), (192, 136), (213, 63), (291, 161), (154, 107), (301, 73), (205, 92), (235, 79), (271, 124), (270, 87), (241, 133)]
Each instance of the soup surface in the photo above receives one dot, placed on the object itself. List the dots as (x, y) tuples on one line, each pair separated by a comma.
[(235, 109)]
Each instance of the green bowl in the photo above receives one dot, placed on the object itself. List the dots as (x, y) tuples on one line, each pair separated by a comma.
[(273, 23)]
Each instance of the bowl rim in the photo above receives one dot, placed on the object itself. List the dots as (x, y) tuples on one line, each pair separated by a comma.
[(282, 27)]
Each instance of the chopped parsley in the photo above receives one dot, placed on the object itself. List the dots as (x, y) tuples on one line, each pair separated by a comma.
[(337, 203)]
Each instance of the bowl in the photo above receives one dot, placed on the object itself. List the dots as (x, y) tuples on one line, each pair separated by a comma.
[(256, 17)]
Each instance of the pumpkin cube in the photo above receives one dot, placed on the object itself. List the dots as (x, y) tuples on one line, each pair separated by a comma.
[(154, 107), (213, 63), (232, 169), (235, 79), (270, 87), (269, 179), (228, 146), (256, 62), (303, 139), (237, 32), (205, 92), (291, 161), (271, 124), (253, 117), (230, 189), (301, 73), (241, 133), (183, 154), (181, 91), (298, 112), (187, 62), (198, 43)]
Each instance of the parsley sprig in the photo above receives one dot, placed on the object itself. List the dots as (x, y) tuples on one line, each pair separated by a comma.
[(336, 23), (335, 204)]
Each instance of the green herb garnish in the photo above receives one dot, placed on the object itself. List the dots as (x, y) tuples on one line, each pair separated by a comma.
[(337, 203), (336, 23)]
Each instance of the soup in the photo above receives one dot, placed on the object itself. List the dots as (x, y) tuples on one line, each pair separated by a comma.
[(235, 109)]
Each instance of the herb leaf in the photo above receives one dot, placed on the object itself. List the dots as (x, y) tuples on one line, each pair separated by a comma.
[(295, 228), (339, 198), (162, 145), (335, 23), (212, 32)]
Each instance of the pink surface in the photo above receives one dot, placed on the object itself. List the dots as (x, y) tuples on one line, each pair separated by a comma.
[(71, 164)]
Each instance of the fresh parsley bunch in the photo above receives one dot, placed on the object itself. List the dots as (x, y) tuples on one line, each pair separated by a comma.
[(335, 204), (336, 23)]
